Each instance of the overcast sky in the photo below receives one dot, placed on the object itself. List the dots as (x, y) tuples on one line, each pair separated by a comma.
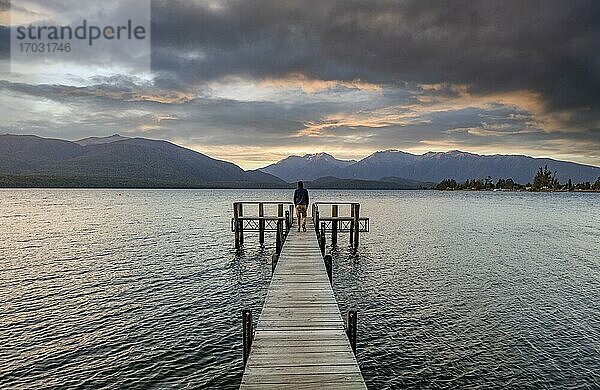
[(253, 81)]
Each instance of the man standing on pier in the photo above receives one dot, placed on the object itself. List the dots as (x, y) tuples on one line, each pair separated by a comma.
[(301, 203)]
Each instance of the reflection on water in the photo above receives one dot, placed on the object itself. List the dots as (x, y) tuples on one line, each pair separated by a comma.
[(103, 288)]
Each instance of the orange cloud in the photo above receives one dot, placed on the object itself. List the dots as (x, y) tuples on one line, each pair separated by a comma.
[(522, 100), (301, 81), (427, 103), (174, 97), (384, 117), (170, 97), (154, 122)]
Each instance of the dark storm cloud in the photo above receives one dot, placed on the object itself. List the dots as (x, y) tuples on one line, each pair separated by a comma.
[(550, 47), (118, 88)]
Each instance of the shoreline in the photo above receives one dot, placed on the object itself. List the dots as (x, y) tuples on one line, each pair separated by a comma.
[(272, 188)]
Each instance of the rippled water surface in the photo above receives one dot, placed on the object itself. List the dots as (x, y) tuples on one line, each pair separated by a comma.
[(138, 289)]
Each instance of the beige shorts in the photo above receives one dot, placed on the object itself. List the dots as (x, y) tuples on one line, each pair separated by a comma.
[(301, 213)]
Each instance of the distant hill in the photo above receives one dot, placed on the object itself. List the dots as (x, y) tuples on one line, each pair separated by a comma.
[(308, 167), (391, 183), (135, 162), (437, 166), (100, 140), (408, 183)]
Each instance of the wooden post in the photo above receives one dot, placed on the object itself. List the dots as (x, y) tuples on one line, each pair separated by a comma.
[(261, 224), (247, 333), (274, 260), (287, 222), (241, 214), (356, 223), (317, 221), (328, 266), (352, 225), (351, 328), (236, 225), (279, 235), (322, 239), (279, 227), (334, 225), (291, 207)]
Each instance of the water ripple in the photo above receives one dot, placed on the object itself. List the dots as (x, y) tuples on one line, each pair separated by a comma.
[(142, 290)]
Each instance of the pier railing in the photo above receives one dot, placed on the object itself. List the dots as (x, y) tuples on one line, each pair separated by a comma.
[(336, 223), (261, 222), (281, 223)]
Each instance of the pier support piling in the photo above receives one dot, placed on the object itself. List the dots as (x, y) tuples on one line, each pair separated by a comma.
[(247, 333), (274, 260), (352, 225), (236, 225), (279, 237), (356, 223), (261, 224), (241, 224), (280, 232), (334, 225), (329, 267), (351, 328), (322, 239)]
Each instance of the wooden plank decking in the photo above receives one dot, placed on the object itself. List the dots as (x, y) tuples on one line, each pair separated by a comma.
[(300, 341)]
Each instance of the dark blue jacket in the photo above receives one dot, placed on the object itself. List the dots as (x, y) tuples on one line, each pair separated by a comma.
[(301, 196)]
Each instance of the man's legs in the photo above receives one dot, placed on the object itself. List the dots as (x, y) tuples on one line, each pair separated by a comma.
[(298, 215), (303, 211)]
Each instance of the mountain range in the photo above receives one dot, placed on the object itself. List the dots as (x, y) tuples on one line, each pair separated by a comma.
[(429, 167), (117, 161), (308, 167)]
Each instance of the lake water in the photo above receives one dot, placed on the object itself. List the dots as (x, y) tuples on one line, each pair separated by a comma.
[(138, 289)]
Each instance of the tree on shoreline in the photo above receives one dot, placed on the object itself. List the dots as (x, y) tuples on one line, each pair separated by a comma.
[(447, 184), (544, 180), (507, 184)]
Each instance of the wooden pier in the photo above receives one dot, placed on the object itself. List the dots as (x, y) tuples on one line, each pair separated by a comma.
[(300, 340)]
